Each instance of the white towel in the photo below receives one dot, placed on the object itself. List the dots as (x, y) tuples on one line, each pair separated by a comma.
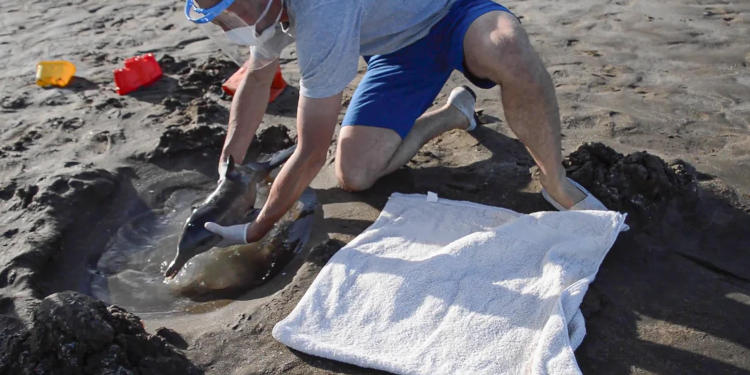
[(449, 287)]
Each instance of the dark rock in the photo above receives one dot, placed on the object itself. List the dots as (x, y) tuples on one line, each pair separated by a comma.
[(74, 317), (71, 333), (12, 335), (641, 184)]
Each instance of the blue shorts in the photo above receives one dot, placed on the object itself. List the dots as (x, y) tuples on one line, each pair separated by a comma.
[(400, 86)]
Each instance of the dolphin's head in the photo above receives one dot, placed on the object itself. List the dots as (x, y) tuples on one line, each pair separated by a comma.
[(237, 188), (194, 240)]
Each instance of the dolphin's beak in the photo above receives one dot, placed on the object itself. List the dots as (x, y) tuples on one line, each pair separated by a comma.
[(178, 260), (174, 267)]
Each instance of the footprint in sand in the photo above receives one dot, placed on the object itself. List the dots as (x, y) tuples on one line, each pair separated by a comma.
[(23, 142), (64, 123), (11, 104), (103, 141), (726, 15)]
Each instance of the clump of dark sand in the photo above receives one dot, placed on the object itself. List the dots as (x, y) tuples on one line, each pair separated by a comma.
[(193, 118), (274, 138), (170, 65), (177, 140), (207, 77), (641, 184), (71, 333)]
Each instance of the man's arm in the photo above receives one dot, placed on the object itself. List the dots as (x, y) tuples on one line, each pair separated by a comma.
[(247, 110), (316, 121)]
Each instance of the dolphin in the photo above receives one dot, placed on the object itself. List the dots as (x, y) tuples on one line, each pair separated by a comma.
[(232, 202), (223, 272)]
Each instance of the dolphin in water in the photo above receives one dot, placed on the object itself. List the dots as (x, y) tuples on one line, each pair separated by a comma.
[(232, 202), (221, 273)]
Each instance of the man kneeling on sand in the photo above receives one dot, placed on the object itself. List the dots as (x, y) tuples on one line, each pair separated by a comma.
[(410, 48)]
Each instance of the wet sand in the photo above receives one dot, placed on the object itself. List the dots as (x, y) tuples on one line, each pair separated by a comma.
[(664, 87)]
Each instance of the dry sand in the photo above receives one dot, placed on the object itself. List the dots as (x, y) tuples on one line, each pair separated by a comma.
[(670, 77)]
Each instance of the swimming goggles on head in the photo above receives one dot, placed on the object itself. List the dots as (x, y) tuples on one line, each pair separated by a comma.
[(200, 15)]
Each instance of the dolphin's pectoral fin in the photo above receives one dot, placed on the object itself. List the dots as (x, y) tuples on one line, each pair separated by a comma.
[(280, 157), (272, 161)]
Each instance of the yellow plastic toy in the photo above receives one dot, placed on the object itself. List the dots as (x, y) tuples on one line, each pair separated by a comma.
[(54, 73)]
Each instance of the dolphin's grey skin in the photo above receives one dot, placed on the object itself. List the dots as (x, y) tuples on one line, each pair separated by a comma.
[(231, 203)]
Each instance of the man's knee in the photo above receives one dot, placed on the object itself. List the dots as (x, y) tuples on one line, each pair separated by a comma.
[(353, 180), (362, 155), (499, 49)]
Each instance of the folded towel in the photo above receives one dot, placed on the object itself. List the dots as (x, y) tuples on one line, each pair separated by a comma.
[(449, 287)]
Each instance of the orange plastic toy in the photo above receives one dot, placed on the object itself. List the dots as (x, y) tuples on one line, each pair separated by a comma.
[(138, 71), (54, 73), (231, 84)]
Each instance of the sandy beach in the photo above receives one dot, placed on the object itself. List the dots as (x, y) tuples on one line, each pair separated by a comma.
[(655, 106)]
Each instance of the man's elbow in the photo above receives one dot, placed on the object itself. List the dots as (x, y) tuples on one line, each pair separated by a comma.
[(261, 77)]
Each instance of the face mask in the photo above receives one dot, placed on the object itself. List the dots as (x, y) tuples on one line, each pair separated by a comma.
[(248, 36)]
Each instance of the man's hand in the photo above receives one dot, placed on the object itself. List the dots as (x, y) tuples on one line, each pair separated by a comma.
[(230, 235)]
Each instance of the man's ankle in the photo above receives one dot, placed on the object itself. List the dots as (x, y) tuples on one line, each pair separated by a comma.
[(552, 181)]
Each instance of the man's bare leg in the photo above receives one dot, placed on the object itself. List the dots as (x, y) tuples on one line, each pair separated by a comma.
[(428, 126), (497, 48), (366, 153)]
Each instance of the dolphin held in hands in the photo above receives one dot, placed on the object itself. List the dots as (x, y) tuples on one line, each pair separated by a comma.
[(231, 203)]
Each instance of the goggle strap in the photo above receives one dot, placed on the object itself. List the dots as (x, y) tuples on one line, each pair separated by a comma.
[(208, 14)]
